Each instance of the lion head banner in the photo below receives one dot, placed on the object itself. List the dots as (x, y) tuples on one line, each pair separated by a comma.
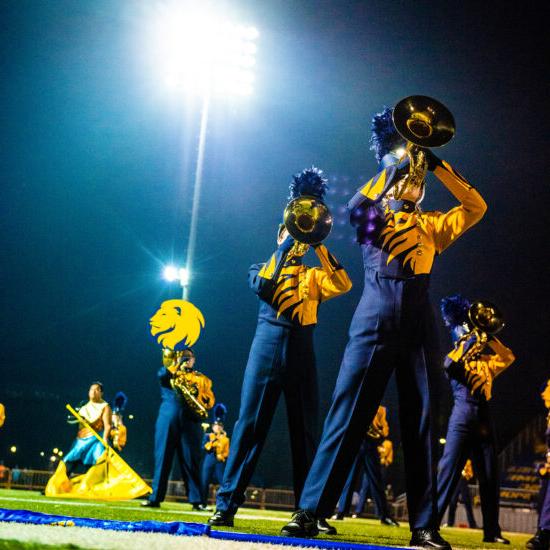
[(177, 323)]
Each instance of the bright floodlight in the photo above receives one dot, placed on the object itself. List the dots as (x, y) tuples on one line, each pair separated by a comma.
[(173, 273), (13, 449), (42, 453), (170, 273), (198, 52)]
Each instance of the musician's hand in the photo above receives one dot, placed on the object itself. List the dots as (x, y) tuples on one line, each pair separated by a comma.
[(287, 244), (433, 160)]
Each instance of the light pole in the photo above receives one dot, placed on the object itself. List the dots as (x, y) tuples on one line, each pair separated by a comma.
[(208, 55)]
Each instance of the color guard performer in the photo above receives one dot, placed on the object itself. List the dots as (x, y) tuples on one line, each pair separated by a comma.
[(86, 449), (282, 359), (393, 326), (541, 540), (472, 366)]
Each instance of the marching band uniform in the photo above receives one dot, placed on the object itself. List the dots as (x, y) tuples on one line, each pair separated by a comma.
[(463, 492), (541, 540), (470, 432), (281, 360), (392, 329), (369, 460), (178, 430), (216, 445), (119, 432)]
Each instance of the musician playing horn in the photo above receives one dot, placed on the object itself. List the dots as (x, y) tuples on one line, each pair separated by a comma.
[(282, 359), (470, 431), (178, 428), (392, 329)]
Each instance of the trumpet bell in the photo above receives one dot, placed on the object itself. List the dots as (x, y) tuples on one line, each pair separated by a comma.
[(486, 317), (307, 219), (424, 121)]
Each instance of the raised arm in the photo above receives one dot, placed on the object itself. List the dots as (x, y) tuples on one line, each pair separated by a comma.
[(448, 226), (331, 277), (262, 278), (206, 393)]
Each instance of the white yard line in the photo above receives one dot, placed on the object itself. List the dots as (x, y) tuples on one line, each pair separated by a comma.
[(136, 508), (99, 539)]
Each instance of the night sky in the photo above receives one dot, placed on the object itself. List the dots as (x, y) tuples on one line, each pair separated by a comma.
[(97, 169)]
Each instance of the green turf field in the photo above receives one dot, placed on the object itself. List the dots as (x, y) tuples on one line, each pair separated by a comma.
[(266, 522)]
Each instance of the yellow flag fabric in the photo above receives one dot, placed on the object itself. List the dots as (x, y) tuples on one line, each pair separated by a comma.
[(109, 479)]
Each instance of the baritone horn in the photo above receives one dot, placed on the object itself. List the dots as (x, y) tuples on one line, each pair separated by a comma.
[(307, 219), (486, 320), (424, 123)]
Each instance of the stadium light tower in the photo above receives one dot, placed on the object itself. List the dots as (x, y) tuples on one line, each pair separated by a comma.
[(205, 54)]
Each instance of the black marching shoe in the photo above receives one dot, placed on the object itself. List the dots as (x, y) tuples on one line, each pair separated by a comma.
[(388, 520), (324, 527), (500, 539), (150, 504), (541, 540), (201, 508), (429, 538), (302, 524), (221, 518)]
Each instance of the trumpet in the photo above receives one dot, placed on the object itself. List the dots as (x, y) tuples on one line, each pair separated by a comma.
[(424, 123)]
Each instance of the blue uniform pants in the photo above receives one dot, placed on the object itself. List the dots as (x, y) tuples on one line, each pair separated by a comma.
[(211, 472), (470, 434), (281, 361), (176, 432), (392, 330)]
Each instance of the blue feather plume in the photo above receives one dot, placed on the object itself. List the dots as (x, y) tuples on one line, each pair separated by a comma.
[(308, 182), (384, 137), (454, 310), (220, 412), (120, 401)]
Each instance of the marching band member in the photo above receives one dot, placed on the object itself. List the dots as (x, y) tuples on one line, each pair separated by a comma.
[(463, 492), (119, 432), (216, 445), (392, 329), (282, 359), (470, 431), (541, 540), (373, 451), (178, 428)]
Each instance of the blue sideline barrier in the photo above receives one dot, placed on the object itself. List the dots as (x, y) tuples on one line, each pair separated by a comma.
[(177, 528)]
